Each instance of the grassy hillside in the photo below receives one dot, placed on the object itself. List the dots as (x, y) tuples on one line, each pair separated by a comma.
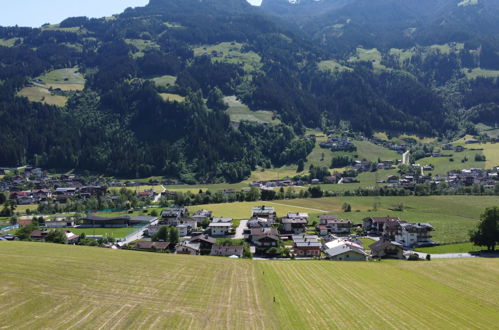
[(239, 112), (55, 286), (231, 52)]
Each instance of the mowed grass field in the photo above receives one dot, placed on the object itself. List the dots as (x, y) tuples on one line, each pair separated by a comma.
[(68, 79), (240, 112), (41, 94), (72, 287)]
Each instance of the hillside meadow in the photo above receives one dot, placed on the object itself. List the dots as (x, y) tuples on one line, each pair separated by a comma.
[(70, 287)]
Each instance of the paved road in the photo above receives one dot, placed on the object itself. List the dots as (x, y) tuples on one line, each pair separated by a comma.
[(134, 236), (158, 196), (240, 229), (446, 255), (300, 207)]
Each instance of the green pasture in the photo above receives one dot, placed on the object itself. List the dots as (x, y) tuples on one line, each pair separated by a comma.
[(56, 286), (238, 112), (231, 52)]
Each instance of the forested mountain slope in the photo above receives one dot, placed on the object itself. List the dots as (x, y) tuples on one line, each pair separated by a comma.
[(151, 100)]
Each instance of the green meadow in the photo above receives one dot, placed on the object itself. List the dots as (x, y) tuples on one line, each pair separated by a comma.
[(59, 287)]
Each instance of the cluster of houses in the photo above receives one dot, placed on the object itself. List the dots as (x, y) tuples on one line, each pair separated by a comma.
[(488, 179), (34, 186), (338, 144), (265, 233)]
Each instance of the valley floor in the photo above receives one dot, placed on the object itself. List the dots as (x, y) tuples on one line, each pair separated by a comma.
[(72, 287)]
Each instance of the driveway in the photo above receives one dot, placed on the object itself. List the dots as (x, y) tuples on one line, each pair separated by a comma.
[(240, 229)]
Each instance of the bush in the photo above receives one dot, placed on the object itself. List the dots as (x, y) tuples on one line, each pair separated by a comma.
[(480, 158), (413, 257)]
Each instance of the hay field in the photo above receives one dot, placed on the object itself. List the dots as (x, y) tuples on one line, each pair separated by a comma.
[(72, 287), (41, 94)]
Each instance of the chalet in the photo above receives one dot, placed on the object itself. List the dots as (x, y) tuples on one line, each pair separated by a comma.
[(385, 248), (260, 223), (189, 222), (295, 225), (376, 226), (41, 194), (205, 241), (340, 226), (392, 179), (187, 247), (306, 246), (298, 215), (267, 212), (471, 141), (65, 191), (342, 249), (414, 234), (264, 238), (153, 246), (220, 228), (72, 238), (326, 218), (202, 215), (39, 235), (172, 215), (222, 220), (227, 250)]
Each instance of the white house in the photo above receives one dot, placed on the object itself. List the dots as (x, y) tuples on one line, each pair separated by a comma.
[(342, 249), (220, 228), (414, 234), (183, 230)]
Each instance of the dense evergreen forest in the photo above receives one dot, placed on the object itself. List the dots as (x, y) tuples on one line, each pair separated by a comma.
[(391, 65)]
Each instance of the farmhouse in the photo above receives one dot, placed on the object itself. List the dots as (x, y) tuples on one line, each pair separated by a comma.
[(202, 215), (384, 248), (267, 212), (153, 246), (71, 237), (172, 215), (264, 238), (227, 250), (39, 235), (220, 228), (260, 223), (205, 241), (187, 247), (306, 245), (342, 249), (295, 225), (340, 226), (376, 226), (325, 219), (414, 234)]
